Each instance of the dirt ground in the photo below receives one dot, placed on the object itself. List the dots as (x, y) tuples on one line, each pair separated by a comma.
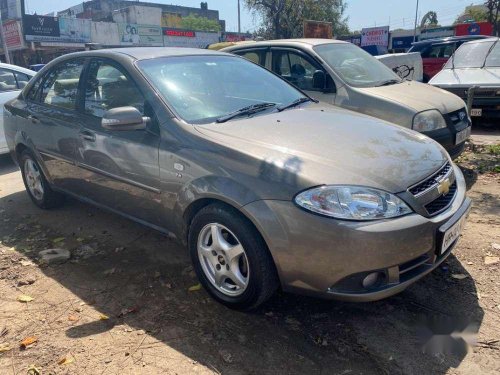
[(123, 305)]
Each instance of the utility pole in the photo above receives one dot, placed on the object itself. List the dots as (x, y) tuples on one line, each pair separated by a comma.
[(416, 20), (239, 18), (4, 42)]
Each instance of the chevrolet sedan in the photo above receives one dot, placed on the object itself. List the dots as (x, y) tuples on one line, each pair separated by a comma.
[(266, 187)]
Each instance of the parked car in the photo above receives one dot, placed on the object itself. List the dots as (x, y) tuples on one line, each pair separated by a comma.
[(265, 186), (13, 79), (473, 73), (342, 74), (436, 52)]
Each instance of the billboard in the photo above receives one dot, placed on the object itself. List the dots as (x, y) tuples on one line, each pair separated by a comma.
[(474, 28), (318, 29), (375, 36), (132, 34), (41, 28), (74, 30), (189, 38), (13, 35), (437, 32)]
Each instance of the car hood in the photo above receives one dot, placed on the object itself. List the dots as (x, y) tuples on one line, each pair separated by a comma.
[(321, 144), (467, 77), (418, 96)]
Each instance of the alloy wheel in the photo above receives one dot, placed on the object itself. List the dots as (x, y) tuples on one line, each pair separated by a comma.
[(33, 179), (223, 259)]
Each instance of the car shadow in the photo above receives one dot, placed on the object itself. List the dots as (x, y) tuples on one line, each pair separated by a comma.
[(7, 165), (141, 279)]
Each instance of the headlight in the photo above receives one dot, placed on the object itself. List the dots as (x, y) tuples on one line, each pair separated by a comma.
[(428, 120), (352, 202)]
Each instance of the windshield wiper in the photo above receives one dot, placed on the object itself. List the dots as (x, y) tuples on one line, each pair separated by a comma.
[(388, 82), (251, 109), (295, 103)]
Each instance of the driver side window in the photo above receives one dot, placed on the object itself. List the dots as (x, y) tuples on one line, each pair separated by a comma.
[(295, 68), (108, 87)]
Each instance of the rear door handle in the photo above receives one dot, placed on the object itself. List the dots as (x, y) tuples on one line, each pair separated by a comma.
[(87, 135), (33, 119)]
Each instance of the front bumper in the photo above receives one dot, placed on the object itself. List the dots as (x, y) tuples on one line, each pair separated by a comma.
[(325, 257), (447, 136)]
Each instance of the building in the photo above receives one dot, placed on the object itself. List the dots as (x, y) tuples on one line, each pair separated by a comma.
[(33, 38)]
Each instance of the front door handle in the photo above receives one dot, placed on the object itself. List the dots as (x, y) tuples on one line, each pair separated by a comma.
[(87, 135), (33, 119)]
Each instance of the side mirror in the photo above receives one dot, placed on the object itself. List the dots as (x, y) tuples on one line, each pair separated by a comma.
[(124, 118), (322, 81)]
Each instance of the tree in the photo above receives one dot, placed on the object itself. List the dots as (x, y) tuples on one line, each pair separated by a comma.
[(193, 22), (492, 14), (285, 18), (472, 14), (429, 20)]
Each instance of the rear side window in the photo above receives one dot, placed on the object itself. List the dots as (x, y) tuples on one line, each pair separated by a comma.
[(60, 87), (255, 56), (7, 80), (439, 51), (22, 79)]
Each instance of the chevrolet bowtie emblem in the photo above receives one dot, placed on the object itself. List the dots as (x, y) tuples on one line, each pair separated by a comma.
[(444, 186)]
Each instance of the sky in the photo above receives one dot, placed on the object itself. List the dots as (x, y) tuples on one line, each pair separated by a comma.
[(361, 13)]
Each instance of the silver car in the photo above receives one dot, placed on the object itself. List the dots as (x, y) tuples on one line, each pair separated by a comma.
[(13, 79), (266, 187)]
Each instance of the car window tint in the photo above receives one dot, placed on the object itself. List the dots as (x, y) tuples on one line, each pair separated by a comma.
[(108, 87), (60, 87), (252, 56), (22, 79), (296, 69), (7, 80)]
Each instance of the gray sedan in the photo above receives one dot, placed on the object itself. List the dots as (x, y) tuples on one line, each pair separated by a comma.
[(266, 187)]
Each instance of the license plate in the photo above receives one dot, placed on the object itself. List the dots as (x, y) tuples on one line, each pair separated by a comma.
[(476, 112), (463, 135), (452, 234)]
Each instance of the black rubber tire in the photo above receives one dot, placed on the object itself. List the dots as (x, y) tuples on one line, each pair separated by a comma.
[(51, 199), (263, 281)]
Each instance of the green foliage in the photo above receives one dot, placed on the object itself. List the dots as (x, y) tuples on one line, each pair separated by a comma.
[(429, 20), (285, 18), (493, 149), (193, 22)]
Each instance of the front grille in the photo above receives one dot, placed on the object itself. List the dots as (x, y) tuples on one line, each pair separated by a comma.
[(455, 116), (441, 203), (431, 181)]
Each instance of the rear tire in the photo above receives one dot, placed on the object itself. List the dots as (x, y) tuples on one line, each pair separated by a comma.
[(236, 269), (36, 183)]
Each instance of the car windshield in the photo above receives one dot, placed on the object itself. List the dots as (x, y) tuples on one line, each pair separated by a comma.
[(476, 55), (355, 66), (202, 89)]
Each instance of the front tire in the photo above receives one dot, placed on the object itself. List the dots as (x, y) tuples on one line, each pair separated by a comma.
[(230, 258), (36, 183)]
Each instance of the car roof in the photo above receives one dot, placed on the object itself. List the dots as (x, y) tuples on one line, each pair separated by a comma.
[(287, 42), (449, 39), (19, 69), (143, 53), (491, 39)]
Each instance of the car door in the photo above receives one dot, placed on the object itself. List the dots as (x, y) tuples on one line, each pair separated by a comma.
[(9, 89), (298, 68), (120, 167), (53, 123)]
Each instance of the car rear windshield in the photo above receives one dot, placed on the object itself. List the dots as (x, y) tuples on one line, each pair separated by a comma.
[(203, 88), (476, 55), (355, 66)]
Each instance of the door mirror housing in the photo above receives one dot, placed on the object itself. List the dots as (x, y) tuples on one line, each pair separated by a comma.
[(124, 118), (323, 82)]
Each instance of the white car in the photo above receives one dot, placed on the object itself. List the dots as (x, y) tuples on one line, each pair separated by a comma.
[(13, 78)]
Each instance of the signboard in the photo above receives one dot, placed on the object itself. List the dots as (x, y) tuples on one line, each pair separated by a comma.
[(41, 28), (437, 32), (132, 34), (317, 29), (375, 36), (74, 30), (402, 42), (13, 35), (475, 28), (11, 9), (189, 38)]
